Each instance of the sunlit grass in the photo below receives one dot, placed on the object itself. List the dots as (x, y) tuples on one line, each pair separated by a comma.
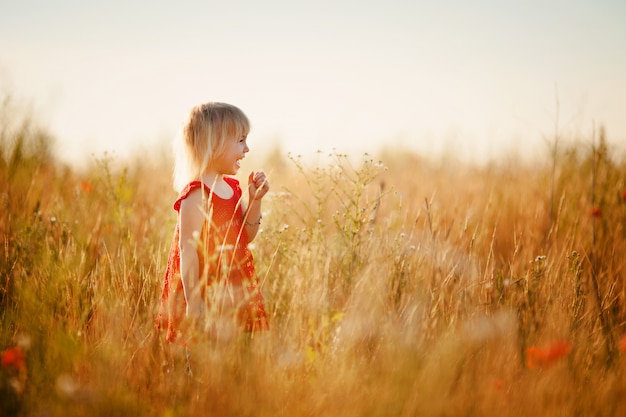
[(394, 286)]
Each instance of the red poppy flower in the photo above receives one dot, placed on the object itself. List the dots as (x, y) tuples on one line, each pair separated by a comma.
[(498, 384), (14, 358), (546, 356), (595, 212), (86, 186)]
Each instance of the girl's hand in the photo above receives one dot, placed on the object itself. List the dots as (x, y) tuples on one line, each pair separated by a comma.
[(258, 185), (194, 323), (196, 310)]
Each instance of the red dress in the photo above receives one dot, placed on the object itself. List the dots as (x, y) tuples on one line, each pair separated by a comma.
[(230, 285)]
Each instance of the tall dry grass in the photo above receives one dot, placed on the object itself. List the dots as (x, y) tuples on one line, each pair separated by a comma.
[(394, 288)]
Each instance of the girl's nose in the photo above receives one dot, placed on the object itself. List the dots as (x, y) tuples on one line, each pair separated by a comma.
[(246, 149)]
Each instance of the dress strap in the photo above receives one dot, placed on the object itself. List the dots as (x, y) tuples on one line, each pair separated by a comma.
[(187, 190), (233, 182)]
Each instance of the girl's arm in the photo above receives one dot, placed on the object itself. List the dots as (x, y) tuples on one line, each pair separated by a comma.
[(191, 220), (258, 186)]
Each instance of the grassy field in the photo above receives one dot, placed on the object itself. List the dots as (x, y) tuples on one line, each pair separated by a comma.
[(395, 286)]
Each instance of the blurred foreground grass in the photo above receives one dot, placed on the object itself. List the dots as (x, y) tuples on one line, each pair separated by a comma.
[(394, 288)]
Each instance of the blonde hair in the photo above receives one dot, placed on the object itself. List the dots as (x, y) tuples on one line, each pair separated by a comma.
[(203, 137)]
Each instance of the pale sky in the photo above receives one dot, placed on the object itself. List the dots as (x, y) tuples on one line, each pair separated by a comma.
[(473, 77)]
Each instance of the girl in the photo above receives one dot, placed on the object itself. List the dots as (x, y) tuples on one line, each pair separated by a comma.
[(210, 273)]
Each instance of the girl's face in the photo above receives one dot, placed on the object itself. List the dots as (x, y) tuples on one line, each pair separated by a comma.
[(235, 149)]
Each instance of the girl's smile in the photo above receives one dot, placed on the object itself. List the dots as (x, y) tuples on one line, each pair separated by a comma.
[(229, 161)]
